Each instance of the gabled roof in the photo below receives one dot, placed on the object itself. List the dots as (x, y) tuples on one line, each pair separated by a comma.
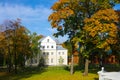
[(59, 47), (56, 40), (48, 37)]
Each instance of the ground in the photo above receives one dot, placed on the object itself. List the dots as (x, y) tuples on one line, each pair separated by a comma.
[(49, 73)]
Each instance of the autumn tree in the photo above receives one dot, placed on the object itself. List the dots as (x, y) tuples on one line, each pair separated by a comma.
[(68, 16), (15, 44), (23, 49), (2, 45), (116, 47), (102, 27)]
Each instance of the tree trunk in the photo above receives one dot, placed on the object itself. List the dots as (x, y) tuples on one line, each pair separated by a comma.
[(15, 64), (81, 60), (86, 67), (9, 61), (9, 65), (72, 65)]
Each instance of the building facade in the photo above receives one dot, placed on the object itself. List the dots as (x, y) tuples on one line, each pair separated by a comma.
[(52, 53)]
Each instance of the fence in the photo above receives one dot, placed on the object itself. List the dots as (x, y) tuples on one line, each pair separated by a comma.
[(103, 75)]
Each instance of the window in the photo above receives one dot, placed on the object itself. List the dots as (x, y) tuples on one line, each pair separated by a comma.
[(62, 53), (47, 40), (43, 47), (59, 53), (43, 53), (47, 53), (51, 60), (51, 53), (51, 46), (47, 46)]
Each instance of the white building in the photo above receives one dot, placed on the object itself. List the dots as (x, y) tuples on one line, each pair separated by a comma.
[(52, 53)]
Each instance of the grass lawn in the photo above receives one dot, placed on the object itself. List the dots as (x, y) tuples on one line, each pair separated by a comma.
[(50, 73)]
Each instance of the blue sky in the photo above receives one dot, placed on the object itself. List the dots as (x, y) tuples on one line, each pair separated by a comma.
[(33, 13)]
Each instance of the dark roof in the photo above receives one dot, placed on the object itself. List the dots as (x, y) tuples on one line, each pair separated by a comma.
[(59, 47)]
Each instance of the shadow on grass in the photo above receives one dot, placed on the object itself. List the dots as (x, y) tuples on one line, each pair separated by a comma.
[(22, 73)]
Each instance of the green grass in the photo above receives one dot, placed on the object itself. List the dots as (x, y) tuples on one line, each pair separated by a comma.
[(50, 73)]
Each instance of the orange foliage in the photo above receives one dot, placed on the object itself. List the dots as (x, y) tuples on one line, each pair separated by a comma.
[(2, 36), (56, 17), (62, 10), (103, 22)]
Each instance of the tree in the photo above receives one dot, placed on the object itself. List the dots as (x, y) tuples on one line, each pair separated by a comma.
[(116, 47), (68, 46), (22, 45), (66, 20), (102, 30), (35, 45), (2, 45), (15, 40), (61, 60), (68, 16)]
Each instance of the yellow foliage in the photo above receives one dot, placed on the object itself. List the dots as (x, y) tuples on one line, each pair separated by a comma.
[(107, 48), (56, 6), (103, 21), (64, 1), (2, 36), (61, 14)]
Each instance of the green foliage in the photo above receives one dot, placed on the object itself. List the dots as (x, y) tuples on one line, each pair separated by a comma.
[(35, 43), (61, 60), (68, 46), (41, 62)]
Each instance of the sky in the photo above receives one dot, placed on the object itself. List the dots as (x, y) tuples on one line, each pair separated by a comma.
[(33, 14)]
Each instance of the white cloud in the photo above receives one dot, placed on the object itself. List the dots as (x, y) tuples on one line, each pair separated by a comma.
[(35, 19), (26, 13)]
